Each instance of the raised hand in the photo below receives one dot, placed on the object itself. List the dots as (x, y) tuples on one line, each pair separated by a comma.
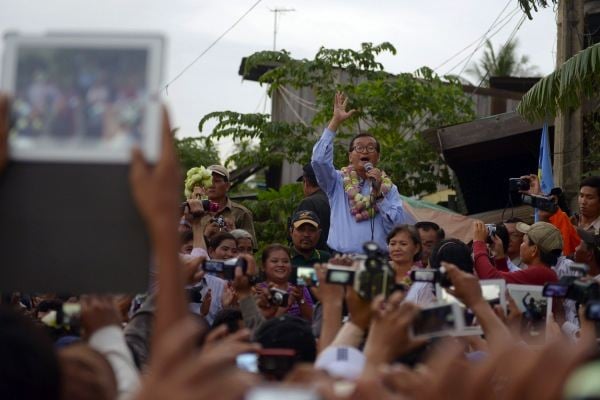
[(339, 111)]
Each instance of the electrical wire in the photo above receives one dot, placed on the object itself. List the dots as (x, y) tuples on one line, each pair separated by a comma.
[(509, 15), (183, 71)]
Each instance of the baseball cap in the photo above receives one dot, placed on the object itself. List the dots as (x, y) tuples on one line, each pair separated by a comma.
[(219, 169), (543, 234), (589, 238), (308, 171), (305, 217), (341, 362)]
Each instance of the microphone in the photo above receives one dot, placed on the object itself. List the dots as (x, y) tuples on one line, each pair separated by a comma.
[(368, 167)]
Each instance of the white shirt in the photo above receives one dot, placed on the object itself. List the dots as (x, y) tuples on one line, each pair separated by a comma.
[(421, 293), (110, 341)]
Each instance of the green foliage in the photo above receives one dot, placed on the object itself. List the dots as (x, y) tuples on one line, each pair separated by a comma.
[(577, 79), (271, 212), (196, 151), (528, 5), (395, 108), (502, 63)]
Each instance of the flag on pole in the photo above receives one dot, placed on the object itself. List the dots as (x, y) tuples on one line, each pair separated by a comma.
[(545, 163)]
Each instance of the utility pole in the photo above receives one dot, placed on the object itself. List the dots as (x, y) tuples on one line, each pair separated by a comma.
[(276, 12), (568, 126)]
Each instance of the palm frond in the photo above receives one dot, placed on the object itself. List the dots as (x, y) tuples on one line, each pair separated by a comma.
[(577, 79), (528, 5)]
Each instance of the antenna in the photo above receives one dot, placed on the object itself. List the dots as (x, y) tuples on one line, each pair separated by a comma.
[(276, 12)]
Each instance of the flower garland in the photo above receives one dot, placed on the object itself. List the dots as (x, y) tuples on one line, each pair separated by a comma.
[(197, 176), (360, 205)]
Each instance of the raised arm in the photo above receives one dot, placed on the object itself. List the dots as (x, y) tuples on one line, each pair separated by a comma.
[(322, 157), (156, 192)]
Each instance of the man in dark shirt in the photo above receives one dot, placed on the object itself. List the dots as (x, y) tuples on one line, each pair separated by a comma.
[(316, 201), (305, 231)]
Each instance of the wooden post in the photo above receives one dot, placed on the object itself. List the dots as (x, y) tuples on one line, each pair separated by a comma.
[(568, 127)]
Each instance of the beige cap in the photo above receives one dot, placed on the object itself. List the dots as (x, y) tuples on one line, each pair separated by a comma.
[(546, 236), (219, 169)]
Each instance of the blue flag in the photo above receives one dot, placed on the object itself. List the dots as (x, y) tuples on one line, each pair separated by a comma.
[(545, 162)]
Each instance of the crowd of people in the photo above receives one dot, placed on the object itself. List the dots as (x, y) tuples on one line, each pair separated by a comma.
[(318, 318)]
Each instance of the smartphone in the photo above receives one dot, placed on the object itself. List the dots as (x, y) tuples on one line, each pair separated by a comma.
[(438, 321)]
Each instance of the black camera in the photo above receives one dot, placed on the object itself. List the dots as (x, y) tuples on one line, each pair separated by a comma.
[(541, 202), (370, 274), (279, 298), (518, 184), (374, 276), (194, 294), (580, 290), (226, 268)]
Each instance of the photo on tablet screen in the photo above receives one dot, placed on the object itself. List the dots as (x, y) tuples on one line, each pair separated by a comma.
[(535, 308), (83, 97)]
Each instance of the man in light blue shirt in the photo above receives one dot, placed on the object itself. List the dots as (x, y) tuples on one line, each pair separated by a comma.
[(365, 204)]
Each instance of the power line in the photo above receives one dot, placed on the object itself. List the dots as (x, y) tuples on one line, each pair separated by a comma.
[(480, 45), (509, 15), (483, 39), (166, 87), (510, 38)]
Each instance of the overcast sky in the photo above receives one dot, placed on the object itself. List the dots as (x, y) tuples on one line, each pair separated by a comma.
[(424, 33)]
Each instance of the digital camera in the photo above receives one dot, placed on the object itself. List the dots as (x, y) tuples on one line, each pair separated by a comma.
[(571, 287), (370, 274), (226, 268), (541, 202), (518, 184), (431, 275), (210, 206), (279, 298)]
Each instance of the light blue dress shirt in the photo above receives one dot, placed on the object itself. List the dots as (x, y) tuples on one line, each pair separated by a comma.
[(345, 234)]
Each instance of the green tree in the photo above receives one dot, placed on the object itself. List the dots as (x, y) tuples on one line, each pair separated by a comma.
[(528, 5), (196, 151), (271, 212), (395, 108), (504, 62), (566, 88)]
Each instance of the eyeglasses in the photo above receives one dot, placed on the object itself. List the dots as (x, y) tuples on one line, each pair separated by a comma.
[(362, 149)]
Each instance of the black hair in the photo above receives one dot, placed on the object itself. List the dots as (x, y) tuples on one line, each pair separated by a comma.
[(428, 225), (219, 238), (551, 258), (547, 258), (186, 236), (288, 332), (230, 317), (453, 251), (363, 134), (592, 181), (561, 200), (311, 180), (271, 248), (412, 233), (29, 367)]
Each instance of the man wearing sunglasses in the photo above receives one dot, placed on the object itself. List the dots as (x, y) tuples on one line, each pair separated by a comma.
[(365, 204)]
